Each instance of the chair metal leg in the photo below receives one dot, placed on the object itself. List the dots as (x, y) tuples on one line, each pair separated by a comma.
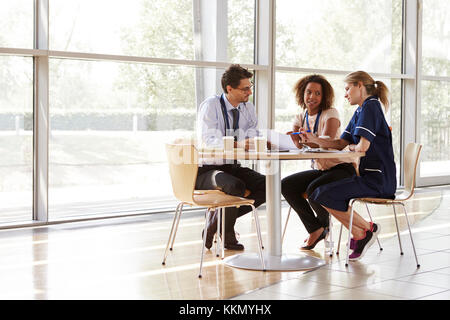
[(329, 244), (171, 233), (410, 235), (285, 225), (258, 229), (398, 232), (223, 233), (349, 232), (339, 241), (258, 232), (371, 220), (204, 241), (176, 226), (216, 236)]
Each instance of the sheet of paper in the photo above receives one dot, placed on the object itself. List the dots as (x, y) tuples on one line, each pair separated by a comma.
[(281, 140)]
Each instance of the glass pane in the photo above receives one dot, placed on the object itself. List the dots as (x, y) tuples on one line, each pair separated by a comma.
[(109, 123), (153, 28), (16, 139), (241, 28), (435, 129), (436, 38), (286, 108), (340, 34), (12, 15)]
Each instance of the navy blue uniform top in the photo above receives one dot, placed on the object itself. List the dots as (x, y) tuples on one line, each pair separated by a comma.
[(377, 166)]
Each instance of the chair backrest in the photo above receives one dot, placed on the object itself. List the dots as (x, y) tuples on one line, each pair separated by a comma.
[(411, 159), (183, 167)]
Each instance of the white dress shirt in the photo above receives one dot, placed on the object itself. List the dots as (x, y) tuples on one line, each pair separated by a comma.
[(211, 123)]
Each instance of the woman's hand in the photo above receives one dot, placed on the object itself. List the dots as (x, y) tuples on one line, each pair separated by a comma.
[(296, 139), (308, 137)]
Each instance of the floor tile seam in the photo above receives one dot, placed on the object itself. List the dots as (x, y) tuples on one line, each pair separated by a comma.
[(340, 288), (429, 295), (362, 274), (411, 254), (334, 285), (406, 237), (365, 288), (429, 271), (422, 284), (258, 289), (412, 258), (289, 295), (269, 287), (352, 289)]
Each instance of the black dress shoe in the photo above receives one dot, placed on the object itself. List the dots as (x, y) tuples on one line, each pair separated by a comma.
[(234, 246), (231, 242), (212, 228), (322, 236)]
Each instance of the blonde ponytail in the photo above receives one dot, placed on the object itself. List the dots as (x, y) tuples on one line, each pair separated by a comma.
[(373, 87), (382, 91)]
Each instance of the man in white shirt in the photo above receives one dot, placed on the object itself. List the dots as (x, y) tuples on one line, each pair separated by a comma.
[(230, 114)]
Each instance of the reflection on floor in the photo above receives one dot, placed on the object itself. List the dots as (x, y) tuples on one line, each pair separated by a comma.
[(121, 259)]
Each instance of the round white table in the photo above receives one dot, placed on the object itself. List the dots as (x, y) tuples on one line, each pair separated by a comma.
[(274, 258)]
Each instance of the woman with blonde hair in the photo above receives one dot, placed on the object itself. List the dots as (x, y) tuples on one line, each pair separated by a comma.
[(367, 132), (315, 96)]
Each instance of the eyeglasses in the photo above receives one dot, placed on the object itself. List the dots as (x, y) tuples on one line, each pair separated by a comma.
[(246, 89)]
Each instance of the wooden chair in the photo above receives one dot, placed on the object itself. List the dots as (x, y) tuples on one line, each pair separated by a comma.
[(411, 158), (183, 167)]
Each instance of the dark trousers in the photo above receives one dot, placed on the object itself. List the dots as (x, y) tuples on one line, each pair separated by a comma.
[(233, 179), (294, 186)]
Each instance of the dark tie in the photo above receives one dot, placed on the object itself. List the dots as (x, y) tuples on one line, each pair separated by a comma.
[(235, 113)]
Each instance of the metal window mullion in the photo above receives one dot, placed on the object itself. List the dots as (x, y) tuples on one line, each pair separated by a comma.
[(40, 112), (265, 55), (410, 65)]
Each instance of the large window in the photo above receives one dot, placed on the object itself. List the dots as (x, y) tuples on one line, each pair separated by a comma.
[(435, 90), (16, 138), (16, 23), (337, 35), (109, 120), (100, 85), (107, 145), (340, 35), (176, 29)]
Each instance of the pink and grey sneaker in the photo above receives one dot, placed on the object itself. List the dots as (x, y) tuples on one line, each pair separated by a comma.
[(362, 245), (375, 228), (352, 244)]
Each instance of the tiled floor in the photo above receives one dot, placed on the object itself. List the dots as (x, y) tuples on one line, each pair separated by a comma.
[(121, 258), (382, 274)]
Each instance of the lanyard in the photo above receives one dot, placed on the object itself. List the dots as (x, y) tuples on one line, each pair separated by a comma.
[(316, 123), (225, 116)]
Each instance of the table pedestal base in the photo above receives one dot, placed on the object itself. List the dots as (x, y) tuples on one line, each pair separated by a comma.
[(285, 262)]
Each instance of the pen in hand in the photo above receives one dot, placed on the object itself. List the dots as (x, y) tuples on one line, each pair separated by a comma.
[(300, 132)]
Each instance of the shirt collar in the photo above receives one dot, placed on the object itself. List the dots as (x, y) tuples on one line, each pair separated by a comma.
[(229, 105), (369, 98)]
